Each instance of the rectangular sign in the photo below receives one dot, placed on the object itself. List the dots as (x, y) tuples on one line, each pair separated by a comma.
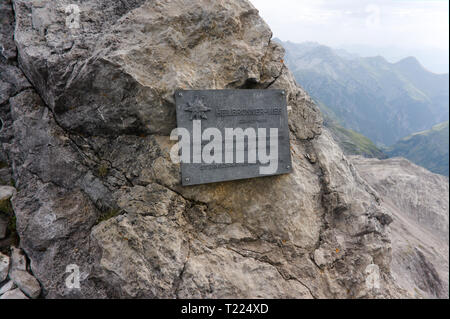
[(232, 134)]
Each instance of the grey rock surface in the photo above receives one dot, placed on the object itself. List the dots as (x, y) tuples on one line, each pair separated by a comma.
[(88, 146), (4, 267), (419, 203), (10, 285), (14, 294), (6, 192), (5, 174), (26, 282), (225, 273), (18, 260), (8, 51), (15, 267)]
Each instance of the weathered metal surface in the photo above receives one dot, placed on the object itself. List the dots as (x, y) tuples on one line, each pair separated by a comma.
[(257, 109)]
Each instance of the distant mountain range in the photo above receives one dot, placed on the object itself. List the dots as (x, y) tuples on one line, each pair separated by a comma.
[(433, 59), (429, 149), (381, 100)]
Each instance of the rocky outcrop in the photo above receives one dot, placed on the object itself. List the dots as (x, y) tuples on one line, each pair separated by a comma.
[(8, 51), (89, 149), (6, 192), (15, 280), (14, 294), (4, 267), (418, 200)]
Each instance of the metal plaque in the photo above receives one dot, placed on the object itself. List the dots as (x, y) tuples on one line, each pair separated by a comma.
[(227, 130)]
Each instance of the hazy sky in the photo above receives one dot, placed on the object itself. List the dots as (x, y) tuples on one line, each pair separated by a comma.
[(401, 23)]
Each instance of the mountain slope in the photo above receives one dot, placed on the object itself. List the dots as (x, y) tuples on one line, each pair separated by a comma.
[(381, 100), (429, 149), (353, 143), (418, 201)]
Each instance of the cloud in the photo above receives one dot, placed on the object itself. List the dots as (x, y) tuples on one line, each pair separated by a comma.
[(404, 23)]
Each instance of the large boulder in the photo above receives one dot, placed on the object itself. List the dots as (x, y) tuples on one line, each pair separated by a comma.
[(97, 189)]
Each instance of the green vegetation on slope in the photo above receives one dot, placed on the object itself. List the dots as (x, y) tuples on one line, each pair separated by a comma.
[(429, 149), (353, 143)]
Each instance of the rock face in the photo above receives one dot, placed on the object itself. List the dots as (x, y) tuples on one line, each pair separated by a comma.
[(14, 267), (89, 149), (4, 266), (14, 294), (26, 283), (6, 192), (8, 51), (420, 234), (10, 285)]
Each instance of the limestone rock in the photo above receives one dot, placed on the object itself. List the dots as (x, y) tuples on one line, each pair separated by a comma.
[(182, 44), (10, 285), (236, 232), (5, 173), (8, 50), (419, 203), (153, 251), (4, 267), (224, 273), (26, 282), (18, 260), (6, 192), (14, 294), (89, 151)]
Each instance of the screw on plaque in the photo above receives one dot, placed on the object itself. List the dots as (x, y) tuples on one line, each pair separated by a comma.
[(187, 179), (180, 94), (283, 93)]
